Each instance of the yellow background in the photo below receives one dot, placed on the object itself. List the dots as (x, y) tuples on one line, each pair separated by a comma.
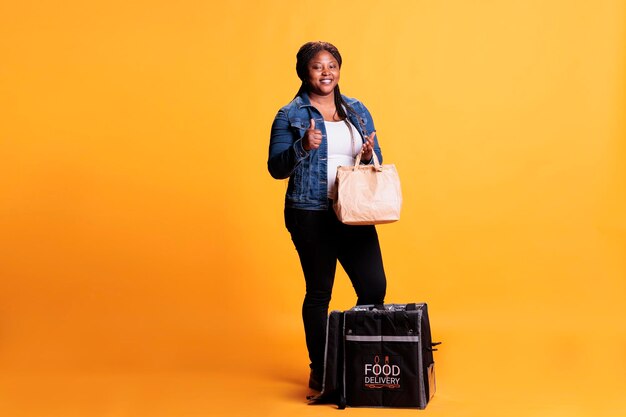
[(144, 266)]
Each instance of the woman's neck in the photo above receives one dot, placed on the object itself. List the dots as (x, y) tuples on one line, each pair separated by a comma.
[(325, 105), (325, 101)]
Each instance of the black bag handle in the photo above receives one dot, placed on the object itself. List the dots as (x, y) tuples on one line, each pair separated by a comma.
[(360, 318), (381, 307)]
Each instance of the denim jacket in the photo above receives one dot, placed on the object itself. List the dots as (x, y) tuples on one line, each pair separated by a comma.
[(306, 170)]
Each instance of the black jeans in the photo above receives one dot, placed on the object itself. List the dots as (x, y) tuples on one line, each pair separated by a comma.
[(321, 240)]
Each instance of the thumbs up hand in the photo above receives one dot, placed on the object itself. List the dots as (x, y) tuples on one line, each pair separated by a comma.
[(312, 137)]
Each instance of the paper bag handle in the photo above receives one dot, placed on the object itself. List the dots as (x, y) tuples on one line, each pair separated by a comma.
[(357, 161)]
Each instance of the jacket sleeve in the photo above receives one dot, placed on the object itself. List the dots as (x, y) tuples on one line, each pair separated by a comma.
[(285, 150), (369, 128)]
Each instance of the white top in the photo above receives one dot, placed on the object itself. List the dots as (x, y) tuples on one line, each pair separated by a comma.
[(342, 149)]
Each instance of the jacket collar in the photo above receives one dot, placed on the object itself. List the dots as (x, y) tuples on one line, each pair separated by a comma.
[(303, 100)]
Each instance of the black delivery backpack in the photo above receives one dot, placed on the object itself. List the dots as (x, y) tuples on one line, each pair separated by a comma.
[(379, 356)]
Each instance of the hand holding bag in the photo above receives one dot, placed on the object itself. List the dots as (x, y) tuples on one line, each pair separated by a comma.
[(368, 194)]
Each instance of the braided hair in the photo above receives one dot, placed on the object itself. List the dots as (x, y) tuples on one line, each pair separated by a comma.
[(304, 56)]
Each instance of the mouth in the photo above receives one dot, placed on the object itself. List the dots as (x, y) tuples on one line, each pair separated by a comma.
[(326, 81)]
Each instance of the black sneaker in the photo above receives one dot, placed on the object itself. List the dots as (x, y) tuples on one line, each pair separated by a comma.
[(312, 395)]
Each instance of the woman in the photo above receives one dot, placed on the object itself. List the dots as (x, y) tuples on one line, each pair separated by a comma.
[(317, 131)]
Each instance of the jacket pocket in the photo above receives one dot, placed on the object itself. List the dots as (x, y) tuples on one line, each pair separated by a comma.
[(298, 127)]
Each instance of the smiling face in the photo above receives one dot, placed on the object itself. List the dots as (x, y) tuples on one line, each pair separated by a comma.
[(323, 74)]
